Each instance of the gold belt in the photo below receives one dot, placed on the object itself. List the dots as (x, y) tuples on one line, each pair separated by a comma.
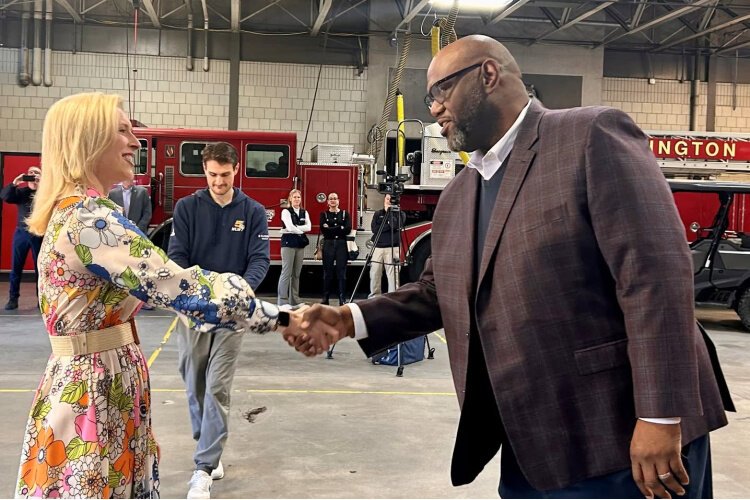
[(95, 340)]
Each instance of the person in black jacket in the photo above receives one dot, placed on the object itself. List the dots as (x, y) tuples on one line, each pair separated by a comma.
[(335, 225), (23, 240), (388, 223)]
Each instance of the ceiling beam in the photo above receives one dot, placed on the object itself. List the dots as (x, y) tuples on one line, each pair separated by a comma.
[(707, 16), (253, 14), (576, 19), (718, 27), (411, 14), (323, 8), (565, 15), (550, 16), (234, 23), (658, 20), (70, 10), (639, 9), (732, 48), (149, 7), (339, 14), (612, 12), (510, 9)]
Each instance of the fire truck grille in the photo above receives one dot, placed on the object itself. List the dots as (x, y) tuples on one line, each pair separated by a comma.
[(169, 190)]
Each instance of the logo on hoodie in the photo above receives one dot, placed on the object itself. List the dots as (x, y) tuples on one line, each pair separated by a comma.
[(239, 225)]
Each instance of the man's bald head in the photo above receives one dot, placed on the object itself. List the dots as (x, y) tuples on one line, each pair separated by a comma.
[(476, 91), (476, 48)]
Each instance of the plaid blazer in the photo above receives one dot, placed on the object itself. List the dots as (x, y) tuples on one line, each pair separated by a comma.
[(583, 301)]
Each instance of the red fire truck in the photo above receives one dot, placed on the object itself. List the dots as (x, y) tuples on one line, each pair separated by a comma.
[(169, 165)]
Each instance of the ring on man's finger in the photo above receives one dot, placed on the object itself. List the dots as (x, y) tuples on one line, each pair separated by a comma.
[(665, 476)]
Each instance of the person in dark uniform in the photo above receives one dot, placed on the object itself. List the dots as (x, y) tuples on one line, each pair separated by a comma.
[(335, 225), (23, 241)]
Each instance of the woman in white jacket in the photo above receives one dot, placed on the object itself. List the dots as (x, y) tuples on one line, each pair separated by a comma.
[(293, 242)]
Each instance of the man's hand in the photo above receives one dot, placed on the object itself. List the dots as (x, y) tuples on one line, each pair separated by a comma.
[(19, 179), (656, 461), (296, 337), (321, 327)]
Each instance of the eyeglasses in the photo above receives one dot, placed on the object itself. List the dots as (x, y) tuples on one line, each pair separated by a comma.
[(439, 92)]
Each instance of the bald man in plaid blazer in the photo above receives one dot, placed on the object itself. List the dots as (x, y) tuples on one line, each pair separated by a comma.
[(561, 275)]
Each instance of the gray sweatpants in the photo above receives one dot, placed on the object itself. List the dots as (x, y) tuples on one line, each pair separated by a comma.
[(207, 363), (291, 267)]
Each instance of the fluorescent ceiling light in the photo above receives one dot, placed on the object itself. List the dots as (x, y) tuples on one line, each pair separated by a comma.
[(490, 5)]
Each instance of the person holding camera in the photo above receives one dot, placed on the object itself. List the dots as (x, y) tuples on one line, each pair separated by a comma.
[(293, 242), (386, 235), (335, 225), (23, 241)]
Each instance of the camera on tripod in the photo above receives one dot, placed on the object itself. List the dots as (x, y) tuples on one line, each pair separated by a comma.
[(392, 185)]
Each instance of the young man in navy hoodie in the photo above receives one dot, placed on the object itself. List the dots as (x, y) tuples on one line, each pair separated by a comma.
[(224, 230)]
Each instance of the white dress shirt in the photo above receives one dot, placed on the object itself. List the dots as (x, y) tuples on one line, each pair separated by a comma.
[(126, 200)]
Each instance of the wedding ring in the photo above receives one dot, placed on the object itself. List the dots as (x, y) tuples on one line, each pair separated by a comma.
[(665, 476)]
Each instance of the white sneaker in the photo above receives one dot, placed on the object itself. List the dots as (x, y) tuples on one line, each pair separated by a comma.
[(218, 472), (200, 485)]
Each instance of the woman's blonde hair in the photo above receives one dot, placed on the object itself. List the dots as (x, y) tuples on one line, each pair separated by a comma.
[(77, 130), (292, 193)]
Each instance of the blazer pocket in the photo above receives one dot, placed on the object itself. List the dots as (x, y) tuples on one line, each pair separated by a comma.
[(554, 215), (602, 357)]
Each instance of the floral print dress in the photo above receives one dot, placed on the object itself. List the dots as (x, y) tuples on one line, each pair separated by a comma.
[(89, 430)]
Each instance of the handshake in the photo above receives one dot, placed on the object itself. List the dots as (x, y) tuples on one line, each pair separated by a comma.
[(313, 330)]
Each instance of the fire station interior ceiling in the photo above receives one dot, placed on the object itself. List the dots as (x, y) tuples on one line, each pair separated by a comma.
[(654, 27)]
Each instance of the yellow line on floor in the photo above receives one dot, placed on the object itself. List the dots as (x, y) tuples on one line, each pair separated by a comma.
[(442, 339), (293, 391), (333, 391), (164, 340)]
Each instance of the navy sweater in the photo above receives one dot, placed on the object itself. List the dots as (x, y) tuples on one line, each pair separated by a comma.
[(232, 239), (21, 196)]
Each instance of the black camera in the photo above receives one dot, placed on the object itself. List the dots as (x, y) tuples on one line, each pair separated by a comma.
[(28, 178), (392, 185)]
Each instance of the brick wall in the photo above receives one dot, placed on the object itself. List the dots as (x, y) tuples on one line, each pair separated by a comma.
[(272, 97), (278, 97), (665, 105)]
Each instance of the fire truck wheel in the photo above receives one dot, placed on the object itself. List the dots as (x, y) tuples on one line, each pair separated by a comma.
[(743, 308), (419, 258)]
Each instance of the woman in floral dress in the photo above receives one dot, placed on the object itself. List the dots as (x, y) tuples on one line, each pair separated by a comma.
[(89, 431)]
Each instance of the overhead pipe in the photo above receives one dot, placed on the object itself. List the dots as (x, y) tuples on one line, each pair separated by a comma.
[(36, 64), (48, 45), (189, 59), (24, 78), (205, 35)]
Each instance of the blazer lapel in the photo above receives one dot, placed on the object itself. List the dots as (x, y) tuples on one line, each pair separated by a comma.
[(515, 173), (462, 239)]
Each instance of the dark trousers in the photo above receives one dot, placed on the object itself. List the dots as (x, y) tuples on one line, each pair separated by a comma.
[(696, 456), (23, 241), (335, 256)]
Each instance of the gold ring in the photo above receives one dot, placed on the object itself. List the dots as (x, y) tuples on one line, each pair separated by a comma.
[(665, 476)]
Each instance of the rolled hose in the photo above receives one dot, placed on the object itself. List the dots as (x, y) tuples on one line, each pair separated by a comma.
[(379, 137)]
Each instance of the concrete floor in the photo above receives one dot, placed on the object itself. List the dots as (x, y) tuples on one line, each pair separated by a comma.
[(340, 428)]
